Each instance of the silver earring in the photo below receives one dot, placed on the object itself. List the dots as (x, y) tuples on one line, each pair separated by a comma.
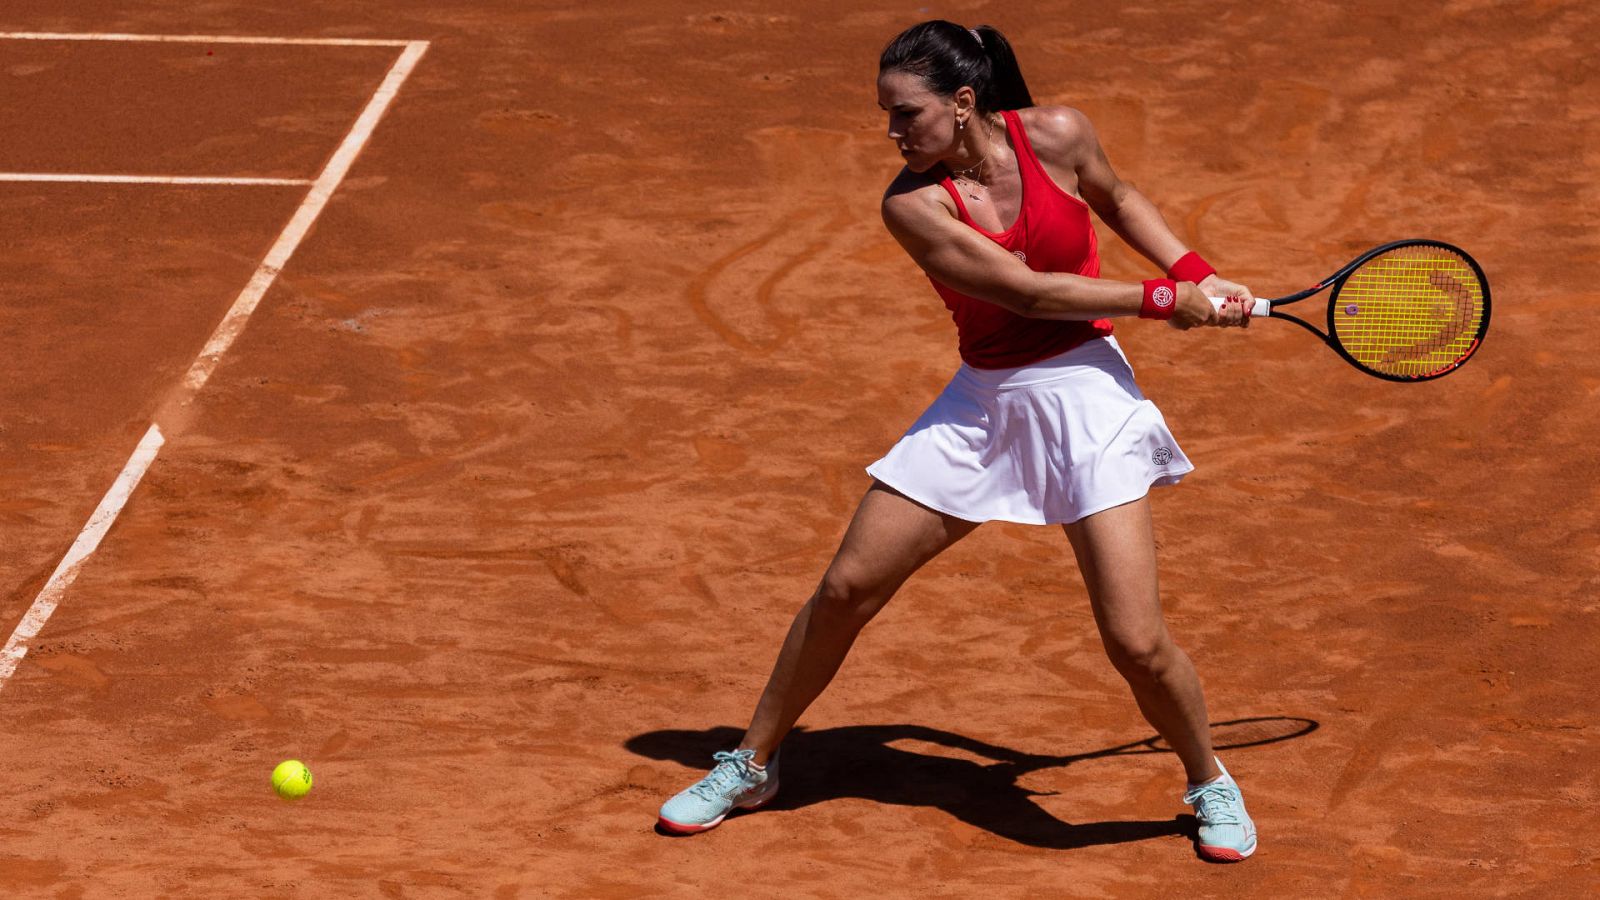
[(961, 124)]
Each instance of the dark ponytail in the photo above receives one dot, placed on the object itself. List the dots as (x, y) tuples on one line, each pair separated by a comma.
[(948, 57), (1008, 90)]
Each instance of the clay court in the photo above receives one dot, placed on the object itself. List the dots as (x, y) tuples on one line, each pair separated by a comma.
[(496, 507)]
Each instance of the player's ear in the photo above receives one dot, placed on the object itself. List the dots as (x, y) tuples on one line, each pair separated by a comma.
[(966, 101)]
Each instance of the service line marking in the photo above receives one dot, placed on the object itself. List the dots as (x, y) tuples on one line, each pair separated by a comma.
[(232, 324), (66, 178)]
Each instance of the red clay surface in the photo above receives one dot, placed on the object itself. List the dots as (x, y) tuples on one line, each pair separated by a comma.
[(191, 109), (497, 512)]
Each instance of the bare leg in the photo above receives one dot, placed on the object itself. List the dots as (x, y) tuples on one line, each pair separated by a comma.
[(1116, 552), (889, 539)]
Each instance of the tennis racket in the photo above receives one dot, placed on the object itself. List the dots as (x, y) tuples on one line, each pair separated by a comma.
[(1408, 311)]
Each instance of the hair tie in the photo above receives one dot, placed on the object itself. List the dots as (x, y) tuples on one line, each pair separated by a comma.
[(976, 36)]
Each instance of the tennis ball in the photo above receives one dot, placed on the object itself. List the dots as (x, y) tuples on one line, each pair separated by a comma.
[(291, 779)]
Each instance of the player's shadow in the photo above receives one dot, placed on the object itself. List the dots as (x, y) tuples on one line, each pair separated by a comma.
[(863, 761)]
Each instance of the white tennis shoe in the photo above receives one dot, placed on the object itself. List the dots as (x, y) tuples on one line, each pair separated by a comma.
[(735, 783), (1226, 832)]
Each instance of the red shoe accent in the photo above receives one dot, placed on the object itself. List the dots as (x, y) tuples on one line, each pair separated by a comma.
[(1221, 854), (680, 828)]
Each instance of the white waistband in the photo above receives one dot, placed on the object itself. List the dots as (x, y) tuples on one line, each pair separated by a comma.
[(1094, 355)]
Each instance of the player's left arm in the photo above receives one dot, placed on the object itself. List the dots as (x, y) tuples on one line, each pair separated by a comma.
[(1072, 142)]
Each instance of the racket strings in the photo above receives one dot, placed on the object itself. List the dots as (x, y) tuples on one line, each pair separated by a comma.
[(1411, 312)]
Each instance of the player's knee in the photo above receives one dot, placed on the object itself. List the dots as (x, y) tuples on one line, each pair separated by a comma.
[(1142, 655), (846, 598)]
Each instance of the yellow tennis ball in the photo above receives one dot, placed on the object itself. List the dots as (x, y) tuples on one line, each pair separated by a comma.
[(291, 779)]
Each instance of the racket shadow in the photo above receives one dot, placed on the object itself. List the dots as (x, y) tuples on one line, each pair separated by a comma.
[(977, 784)]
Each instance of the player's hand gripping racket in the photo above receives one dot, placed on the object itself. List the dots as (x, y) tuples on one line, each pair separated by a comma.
[(1407, 311)]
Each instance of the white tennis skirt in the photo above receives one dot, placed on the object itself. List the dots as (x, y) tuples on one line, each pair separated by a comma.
[(1041, 444)]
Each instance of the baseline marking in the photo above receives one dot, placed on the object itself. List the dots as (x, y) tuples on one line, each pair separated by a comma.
[(201, 39), (100, 522), (65, 178)]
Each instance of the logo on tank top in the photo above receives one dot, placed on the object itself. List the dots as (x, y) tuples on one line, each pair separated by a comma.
[(1162, 456), (1162, 296), (1020, 255)]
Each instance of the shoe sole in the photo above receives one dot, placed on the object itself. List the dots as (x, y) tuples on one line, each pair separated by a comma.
[(687, 828), (1226, 854)]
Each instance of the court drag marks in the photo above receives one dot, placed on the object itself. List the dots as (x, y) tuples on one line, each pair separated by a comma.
[(496, 513)]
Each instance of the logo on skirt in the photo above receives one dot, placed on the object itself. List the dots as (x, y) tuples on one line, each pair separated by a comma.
[(1162, 456)]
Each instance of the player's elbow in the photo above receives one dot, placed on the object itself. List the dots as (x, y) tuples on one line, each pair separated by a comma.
[(1015, 299), (1021, 291), (1124, 193), (1007, 291), (1054, 296), (1011, 299)]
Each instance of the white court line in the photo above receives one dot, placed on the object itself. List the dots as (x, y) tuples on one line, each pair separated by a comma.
[(321, 189), (200, 39), (88, 539), (65, 178), (232, 323)]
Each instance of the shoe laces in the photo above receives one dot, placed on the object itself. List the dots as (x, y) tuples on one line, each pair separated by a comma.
[(1216, 803), (729, 773)]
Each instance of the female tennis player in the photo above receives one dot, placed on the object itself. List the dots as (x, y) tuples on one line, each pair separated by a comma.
[(1042, 423)]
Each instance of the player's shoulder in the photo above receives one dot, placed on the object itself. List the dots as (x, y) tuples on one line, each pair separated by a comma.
[(913, 194), (1056, 126)]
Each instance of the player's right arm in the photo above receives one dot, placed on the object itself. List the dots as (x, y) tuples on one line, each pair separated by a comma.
[(924, 223)]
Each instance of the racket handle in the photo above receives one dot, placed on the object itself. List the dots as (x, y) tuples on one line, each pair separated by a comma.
[(1261, 307)]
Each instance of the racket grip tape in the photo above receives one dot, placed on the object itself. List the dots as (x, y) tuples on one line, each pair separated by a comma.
[(1260, 308)]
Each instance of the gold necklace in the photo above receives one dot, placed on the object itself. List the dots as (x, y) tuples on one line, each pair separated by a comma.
[(973, 181)]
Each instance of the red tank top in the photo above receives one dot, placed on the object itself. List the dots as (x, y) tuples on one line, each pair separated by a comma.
[(1051, 234)]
